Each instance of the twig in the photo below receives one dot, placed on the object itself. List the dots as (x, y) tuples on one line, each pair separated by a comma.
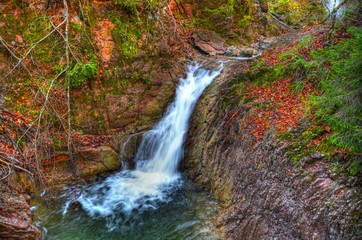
[(69, 140), (8, 173), (334, 10), (20, 60), (4, 43), (16, 166), (280, 22)]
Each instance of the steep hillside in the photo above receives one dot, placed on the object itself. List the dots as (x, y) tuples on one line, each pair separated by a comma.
[(272, 141)]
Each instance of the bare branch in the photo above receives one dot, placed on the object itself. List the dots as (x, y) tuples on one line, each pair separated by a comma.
[(20, 60), (335, 10)]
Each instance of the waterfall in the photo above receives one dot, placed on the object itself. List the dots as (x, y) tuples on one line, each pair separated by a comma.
[(157, 159), (332, 4)]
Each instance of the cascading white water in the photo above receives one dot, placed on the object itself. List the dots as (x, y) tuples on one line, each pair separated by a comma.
[(332, 4), (157, 159)]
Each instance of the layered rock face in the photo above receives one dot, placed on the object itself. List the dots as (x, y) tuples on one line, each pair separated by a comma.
[(265, 195), (15, 216)]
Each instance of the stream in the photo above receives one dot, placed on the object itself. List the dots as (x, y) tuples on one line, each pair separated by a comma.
[(152, 201), (189, 214)]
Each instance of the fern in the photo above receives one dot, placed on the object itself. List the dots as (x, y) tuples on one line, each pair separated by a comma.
[(340, 105)]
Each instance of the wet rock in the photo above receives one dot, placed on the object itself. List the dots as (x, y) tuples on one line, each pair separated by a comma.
[(235, 51), (264, 195), (232, 51), (266, 43), (209, 42), (95, 161), (15, 217), (315, 157), (128, 149), (247, 52)]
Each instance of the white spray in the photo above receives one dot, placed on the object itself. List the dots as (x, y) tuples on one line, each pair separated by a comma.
[(157, 159)]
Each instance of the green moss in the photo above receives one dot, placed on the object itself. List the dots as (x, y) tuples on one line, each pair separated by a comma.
[(82, 71), (300, 143), (219, 16), (355, 167), (115, 79), (126, 36), (78, 28), (296, 12), (129, 6), (37, 29), (313, 133), (262, 75)]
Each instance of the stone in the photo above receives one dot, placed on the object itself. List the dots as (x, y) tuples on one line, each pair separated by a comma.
[(128, 148), (15, 217), (209, 42), (266, 43), (95, 161), (247, 52), (104, 40), (233, 51)]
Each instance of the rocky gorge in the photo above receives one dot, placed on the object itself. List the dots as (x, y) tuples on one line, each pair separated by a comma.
[(264, 194)]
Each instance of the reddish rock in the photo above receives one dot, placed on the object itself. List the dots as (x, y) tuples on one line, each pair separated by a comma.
[(209, 42), (104, 40), (15, 217)]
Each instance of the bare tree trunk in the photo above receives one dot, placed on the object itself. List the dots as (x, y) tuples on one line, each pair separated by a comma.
[(334, 11), (71, 148)]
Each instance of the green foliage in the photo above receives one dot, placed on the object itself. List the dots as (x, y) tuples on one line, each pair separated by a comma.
[(220, 15), (262, 75), (305, 42), (226, 9), (37, 29), (296, 12), (77, 27), (19, 3), (355, 168), (297, 86), (126, 36), (115, 79), (82, 71), (340, 105), (128, 5), (295, 64)]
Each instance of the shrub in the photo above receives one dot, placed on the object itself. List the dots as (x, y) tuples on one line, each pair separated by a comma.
[(82, 71), (340, 105)]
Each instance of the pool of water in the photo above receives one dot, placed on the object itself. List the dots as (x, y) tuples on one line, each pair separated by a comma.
[(189, 214)]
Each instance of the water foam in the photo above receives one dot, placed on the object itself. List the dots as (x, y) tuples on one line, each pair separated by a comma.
[(157, 159)]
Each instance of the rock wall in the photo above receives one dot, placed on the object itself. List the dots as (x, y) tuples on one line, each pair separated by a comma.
[(265, 195), (15, 216)]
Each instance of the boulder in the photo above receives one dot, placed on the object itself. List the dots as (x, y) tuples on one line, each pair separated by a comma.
[(96, 161), (235, 51), (128, 149), (247, 52), (15, 217), (266, 43), (265, 195), (209, 42)]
